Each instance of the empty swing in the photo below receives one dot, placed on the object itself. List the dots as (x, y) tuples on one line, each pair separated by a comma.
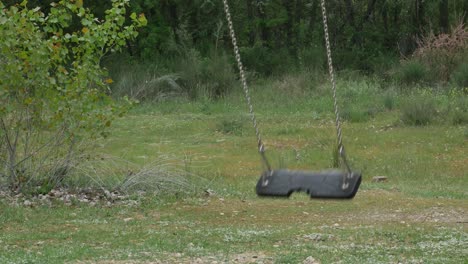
[(337, 184)]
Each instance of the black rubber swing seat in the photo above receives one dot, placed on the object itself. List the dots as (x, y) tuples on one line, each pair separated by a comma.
[(325, 184)]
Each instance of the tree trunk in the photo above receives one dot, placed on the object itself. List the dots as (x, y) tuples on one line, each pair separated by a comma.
[(250, 22), (289, 25), (418, 15), (443, 16), (350, 13), (312, 19)]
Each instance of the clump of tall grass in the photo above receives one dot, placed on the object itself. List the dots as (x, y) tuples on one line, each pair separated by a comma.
[(143, 81), (419, 111), (212, 76), (167, 174), (189, 75)]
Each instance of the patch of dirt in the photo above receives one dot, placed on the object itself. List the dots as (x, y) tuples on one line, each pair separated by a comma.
[(440, 215), (244, 258)]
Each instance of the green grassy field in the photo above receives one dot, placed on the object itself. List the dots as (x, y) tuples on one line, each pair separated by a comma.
[(420, 215)]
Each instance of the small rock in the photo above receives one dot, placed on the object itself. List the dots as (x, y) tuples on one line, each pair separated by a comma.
[(315, 237), (27, 203), (379, 179), (209, 192), (128, 219)]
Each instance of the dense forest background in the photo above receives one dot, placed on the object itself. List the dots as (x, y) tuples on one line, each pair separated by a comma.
[(277, 36)]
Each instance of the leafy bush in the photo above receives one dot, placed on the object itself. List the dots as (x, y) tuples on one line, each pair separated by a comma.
[(53, 92), (419, 111)]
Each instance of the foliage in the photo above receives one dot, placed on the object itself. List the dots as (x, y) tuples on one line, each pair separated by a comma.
[(363, 33), (53, 91)]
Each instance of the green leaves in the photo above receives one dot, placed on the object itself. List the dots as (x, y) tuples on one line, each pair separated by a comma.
[(51, 80)]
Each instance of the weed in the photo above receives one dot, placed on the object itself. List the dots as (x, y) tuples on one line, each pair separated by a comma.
[(419, 111)]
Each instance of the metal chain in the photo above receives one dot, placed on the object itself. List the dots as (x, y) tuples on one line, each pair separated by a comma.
[(261, 147), (341, 148)]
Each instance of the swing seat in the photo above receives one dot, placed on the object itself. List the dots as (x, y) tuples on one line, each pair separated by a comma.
[(324, 184)]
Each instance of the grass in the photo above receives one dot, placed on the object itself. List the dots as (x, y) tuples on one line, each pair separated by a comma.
[(418, 216)]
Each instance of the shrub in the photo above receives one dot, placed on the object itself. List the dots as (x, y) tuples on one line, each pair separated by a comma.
[(443, 53), (419, 111), (411, 72), (53, 92), (460, 75)]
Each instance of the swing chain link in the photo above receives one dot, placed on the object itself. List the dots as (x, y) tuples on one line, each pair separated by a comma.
[(261, 147), (341, 148)]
